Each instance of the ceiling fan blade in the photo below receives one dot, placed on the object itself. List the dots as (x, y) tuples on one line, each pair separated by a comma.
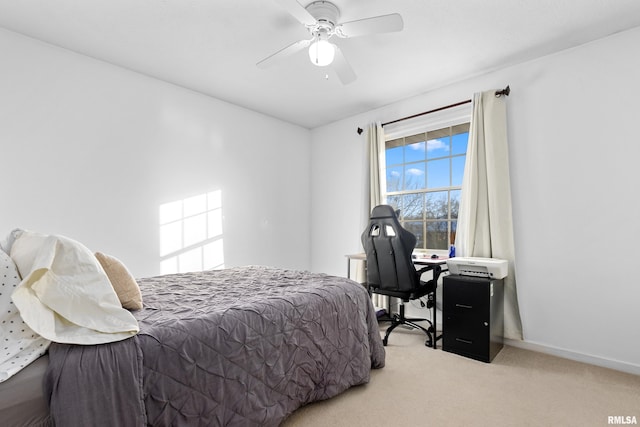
[(342, 68), (377, 24), (296, 10), (283, 53)]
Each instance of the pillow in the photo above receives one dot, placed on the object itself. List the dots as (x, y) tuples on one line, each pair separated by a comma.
[(20, 344), (122, 281), (65, 294)]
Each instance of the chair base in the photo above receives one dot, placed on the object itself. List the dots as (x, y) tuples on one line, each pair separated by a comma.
[(400, 319)]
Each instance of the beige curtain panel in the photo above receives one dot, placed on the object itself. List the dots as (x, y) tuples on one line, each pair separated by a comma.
[(375, 149), (485, 225)]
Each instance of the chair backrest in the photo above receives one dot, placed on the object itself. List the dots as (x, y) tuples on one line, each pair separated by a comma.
[(389, 249)]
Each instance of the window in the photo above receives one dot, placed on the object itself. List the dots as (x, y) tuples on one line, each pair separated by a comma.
[(423, 180)]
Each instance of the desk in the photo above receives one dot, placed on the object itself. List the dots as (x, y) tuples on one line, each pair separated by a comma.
[(427, 260), (418, 260)]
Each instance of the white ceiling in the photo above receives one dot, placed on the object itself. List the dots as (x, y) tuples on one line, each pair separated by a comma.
[(212, 46)]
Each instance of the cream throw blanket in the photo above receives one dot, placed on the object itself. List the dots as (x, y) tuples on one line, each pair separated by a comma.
[(65, 295)]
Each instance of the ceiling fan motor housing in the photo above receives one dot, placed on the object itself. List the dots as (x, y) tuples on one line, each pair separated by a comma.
[(325, 13)]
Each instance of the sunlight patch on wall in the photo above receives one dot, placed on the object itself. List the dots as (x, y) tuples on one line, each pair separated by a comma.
[(191, 234)]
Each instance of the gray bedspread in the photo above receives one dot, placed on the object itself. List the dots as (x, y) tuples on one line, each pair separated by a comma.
[(243, 346)]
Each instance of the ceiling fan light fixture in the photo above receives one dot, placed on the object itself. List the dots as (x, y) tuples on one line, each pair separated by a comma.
[(322, 52)]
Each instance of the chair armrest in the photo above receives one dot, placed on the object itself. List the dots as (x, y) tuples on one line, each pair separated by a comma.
[(436, 271), (425, 269)]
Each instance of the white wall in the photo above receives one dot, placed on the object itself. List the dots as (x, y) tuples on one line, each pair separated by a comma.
[(90, 151), (574, 153)]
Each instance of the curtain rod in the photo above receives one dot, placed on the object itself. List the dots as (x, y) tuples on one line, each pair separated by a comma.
[(435, 110), (506, 91)]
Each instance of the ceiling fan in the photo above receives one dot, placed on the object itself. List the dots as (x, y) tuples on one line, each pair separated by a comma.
[(321, 18)]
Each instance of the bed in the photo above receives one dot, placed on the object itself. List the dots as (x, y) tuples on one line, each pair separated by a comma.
[(243, 346)]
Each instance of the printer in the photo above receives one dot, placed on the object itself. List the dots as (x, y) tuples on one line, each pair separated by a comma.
[(491, 268)]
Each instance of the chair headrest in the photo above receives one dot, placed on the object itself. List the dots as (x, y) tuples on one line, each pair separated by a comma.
[(383, 211)]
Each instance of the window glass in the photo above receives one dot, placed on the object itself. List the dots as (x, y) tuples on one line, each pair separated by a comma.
[(393, 156), (457, 170), (437, 148), (415, 151), (414, 176), (416, 227), (424, 175), (412, 206), (459, 143), (455, 203), (437, 205), (438, 173), (394, 178), (437, 235), (396, 202)]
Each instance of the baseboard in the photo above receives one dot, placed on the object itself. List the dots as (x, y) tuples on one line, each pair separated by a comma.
[(617, 365)]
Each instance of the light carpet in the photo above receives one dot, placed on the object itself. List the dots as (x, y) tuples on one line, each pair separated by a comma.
[(420, 386)]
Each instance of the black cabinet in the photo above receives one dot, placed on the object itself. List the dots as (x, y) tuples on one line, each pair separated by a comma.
[(472, 316)]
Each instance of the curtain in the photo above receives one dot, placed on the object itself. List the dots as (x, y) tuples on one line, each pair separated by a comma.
[(485, 226), (375, 150), (377, 181)]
